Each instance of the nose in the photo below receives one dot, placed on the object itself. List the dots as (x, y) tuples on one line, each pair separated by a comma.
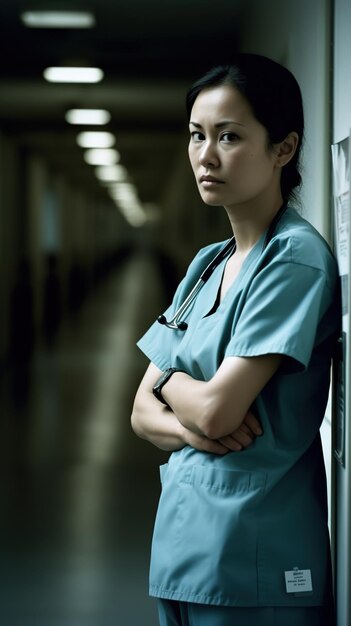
[(208, 156)]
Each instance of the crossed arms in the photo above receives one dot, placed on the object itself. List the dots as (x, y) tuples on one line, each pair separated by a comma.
[(211, 416)]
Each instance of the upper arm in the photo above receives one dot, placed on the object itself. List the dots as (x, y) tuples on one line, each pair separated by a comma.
[(145, 387), (151, 375)]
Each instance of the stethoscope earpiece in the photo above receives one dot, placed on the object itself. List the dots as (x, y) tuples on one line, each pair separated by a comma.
[(182, 326)]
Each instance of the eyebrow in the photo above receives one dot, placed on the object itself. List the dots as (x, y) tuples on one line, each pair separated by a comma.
[(219, 124)]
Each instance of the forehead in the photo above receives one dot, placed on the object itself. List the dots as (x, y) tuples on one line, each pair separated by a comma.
[(221, 102)]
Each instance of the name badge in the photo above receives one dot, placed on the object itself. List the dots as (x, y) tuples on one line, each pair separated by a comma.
[(298, 580)]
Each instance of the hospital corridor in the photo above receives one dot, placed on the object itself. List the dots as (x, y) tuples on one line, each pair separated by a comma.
[(78, 489), (100, 217)]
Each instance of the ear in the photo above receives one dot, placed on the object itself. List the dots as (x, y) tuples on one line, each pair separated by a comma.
[(286, 149)]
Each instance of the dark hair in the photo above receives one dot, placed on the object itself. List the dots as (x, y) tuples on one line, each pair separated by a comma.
[(275, 98)]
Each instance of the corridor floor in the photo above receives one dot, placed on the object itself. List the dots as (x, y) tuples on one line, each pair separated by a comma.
[(78, 489)]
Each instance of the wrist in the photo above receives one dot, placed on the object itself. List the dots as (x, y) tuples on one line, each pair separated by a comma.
[(157, 389)]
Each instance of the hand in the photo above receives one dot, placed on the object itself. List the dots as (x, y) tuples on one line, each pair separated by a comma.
[(244, 436)]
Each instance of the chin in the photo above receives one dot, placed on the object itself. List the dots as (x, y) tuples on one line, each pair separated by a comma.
[(211, 201)]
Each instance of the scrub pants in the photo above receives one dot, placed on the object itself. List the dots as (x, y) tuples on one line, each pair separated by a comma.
[(172, 613)]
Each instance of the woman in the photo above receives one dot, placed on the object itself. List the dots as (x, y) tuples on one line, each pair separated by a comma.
[(241, 537)]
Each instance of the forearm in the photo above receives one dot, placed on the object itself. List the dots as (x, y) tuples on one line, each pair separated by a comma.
[(218, 407), (156, 423), (192, 402)]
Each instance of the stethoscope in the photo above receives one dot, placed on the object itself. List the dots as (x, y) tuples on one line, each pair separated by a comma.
[(176, 322)]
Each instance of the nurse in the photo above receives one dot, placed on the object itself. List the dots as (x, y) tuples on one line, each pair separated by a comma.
[(241, 533)]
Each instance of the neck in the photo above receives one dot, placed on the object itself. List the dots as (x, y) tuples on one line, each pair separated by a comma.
[(248, 224)]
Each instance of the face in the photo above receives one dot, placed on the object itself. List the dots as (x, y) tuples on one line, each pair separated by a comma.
[(229, 153)]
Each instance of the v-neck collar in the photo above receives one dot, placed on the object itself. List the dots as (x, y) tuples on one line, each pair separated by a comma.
[(217, 277)]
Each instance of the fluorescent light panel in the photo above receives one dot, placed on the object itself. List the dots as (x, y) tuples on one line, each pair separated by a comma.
[(98, 117), (58, 19), (123, 191), (73, 74), (101, 156), (95, 139), (111, 173)]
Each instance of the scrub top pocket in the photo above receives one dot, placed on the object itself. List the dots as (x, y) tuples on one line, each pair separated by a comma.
[(205, 537)]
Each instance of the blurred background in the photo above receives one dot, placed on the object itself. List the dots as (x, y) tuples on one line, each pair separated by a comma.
[(99, 216)]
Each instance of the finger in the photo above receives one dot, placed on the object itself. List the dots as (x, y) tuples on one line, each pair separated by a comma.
[(253, 424), (231, 443), (243, 428), (239, 439), (215, 447), (244, 436)]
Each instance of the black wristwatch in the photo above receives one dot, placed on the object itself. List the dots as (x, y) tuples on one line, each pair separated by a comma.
[(164, 378)]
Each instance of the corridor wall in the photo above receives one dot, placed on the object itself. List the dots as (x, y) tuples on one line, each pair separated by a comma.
[(47, 224)]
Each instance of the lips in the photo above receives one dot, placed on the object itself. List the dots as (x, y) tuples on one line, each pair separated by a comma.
[(211, 179)]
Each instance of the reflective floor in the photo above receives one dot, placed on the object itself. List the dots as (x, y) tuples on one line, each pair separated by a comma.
[(78, 490)]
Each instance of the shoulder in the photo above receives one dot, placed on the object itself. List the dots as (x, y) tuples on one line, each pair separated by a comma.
[(297, 242)]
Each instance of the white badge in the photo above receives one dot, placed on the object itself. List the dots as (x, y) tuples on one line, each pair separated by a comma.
[(298, 580)]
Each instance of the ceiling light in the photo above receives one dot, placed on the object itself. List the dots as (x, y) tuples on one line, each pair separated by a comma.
[(73, 74), (95, 139), (58, 19), (101, 156), (111, 173), (123, 191), (88, 116)]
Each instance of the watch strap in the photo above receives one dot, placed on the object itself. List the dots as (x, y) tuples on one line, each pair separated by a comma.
[(164, 378)]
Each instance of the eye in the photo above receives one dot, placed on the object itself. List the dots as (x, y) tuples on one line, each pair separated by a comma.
[(229, 137), (196, 136)]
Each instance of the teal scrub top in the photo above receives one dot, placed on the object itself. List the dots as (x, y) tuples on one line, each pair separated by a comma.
[(250, 528)]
